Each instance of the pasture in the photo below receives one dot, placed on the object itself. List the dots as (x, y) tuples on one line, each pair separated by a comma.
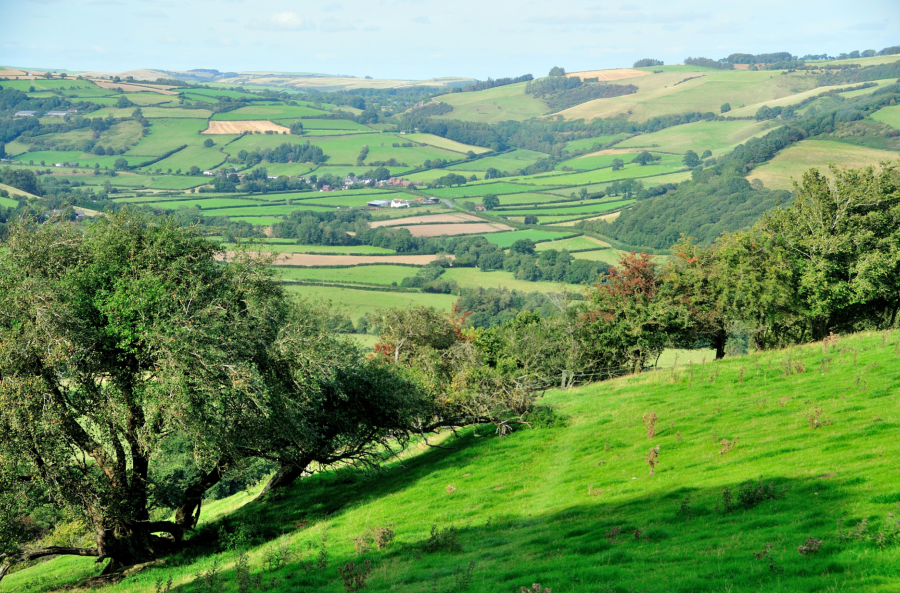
[(504, 240), (445, 143), (475, 278), (630, 171), (356, 303), (717, 136), (270, 112), (509, 161), (508, 200), (581, 243), (494, 105), (192, 156), (694, 92), (477, 190), (386, 274), (790, 163), (305, 259), (427, 219), (888, 115), (269, 246), (588, 208)]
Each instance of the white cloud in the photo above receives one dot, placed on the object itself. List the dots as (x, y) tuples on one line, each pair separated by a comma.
[(422, 20), (282, 21), (99, 49), (153, 14)]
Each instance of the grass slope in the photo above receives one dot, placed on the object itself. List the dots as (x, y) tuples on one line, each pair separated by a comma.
[(791, 162), (574, 507), (684, 92), (494, 105), (717, 136)]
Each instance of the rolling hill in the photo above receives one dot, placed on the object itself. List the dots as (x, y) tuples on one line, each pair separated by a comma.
[(771, 472)]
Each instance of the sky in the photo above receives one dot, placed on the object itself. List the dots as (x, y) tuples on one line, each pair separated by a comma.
[(418, 39)]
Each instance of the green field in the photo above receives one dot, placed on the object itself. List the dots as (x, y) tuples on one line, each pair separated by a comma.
[(888, 115), (717, 136), (271, 247), (573, 244), (263, 210), (494, 105), (504, 240), (585, 143), (334, 124), (474, 278), (596, 208), (575, 509), (344, 149), (609, 256), (791, 162), (595, 161), (477, 190), (356, 303), (203, 203), (269, 112), (659, 94), (192, 156), (155, 112), (509, 161), (529, 198), (445, 143), (383, 274), (631, 171), (352, 199), (169, 134)]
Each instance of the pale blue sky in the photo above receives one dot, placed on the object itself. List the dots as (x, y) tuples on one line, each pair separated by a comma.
[(414, 39)]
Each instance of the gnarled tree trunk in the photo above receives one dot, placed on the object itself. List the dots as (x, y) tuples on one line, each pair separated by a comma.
[(286, 475)]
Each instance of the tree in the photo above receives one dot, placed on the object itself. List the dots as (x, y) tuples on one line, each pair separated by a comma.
[(490, 201), (531, 219), (706, 154), (120, 164), (583, 193), (557, 71), (644, 158), (618, 164), (522, 247), (297, 128), (628, 320), (119, 337), (124, 103), (725, 108), (691, 159), (208, 143), (195, 170), (492, 173), (452, 179), (2, 150)]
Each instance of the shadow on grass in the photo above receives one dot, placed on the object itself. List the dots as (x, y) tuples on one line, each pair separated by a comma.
[(681, 540)]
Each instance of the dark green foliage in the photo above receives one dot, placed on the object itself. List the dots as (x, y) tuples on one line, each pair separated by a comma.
[(489, 84), (557, 71), (490, 201), (20, 178), (719, 199), (707, 63), (647, 62), (560, 92), (490, 307), (284, 153), (297, 128), (760, 58)]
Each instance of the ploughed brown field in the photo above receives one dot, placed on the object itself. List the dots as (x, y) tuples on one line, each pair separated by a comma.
[(436, 230), (426, 219), (237, 127), (606, 75)]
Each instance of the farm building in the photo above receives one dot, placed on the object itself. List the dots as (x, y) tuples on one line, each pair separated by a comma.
[(61, 113), (26, 113), (399, 203), (379, 203)]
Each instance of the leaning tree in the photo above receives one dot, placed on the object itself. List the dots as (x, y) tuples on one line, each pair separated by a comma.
[(119, 336)]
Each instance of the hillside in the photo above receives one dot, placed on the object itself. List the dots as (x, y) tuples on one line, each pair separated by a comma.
[(802, 439)]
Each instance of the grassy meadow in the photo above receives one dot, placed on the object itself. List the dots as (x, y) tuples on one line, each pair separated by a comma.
[(804, 454)]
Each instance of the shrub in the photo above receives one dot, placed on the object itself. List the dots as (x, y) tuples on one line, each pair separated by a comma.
[(442, 540), (353, 576)]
